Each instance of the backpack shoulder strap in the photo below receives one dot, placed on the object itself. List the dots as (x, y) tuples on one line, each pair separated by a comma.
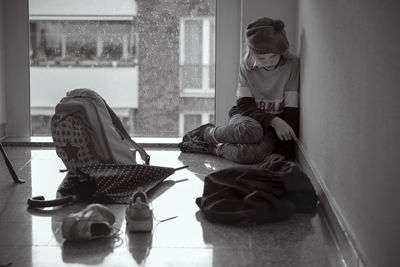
[(118, 124)]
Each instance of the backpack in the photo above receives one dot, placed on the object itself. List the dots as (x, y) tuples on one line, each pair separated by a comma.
[(246, 195), (86, 131)]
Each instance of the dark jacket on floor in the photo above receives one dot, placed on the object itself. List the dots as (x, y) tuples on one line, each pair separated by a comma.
[(253, 195)]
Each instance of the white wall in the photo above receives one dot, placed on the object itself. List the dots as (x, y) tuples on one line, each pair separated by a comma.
[(227, 56), (350, 116), (16, 31), (2, 68)]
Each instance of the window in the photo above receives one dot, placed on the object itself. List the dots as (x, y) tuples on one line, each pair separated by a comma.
[(131, 61), (90, 53), (197, 57), (22, 97)]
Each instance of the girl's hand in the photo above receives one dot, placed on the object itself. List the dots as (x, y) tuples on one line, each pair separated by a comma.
[(283, 129)]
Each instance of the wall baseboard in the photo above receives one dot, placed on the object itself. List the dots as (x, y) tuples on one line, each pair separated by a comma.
[(3, 130), (345, 246)]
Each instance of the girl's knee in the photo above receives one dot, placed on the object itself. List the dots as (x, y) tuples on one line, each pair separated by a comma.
[(251, 130)]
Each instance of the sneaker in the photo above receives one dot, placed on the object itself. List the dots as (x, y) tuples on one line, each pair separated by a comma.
[(194, 146), (92, 222), (197, 134), (138, 215)]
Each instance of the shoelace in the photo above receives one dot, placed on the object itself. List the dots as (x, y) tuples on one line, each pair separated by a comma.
[(169, 218), (116, 236), (162, 220)]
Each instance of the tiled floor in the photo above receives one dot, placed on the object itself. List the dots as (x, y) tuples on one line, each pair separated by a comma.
[(32, 237)]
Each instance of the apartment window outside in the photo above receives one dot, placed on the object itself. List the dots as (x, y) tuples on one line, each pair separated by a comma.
[(197, 56), (130, 52)]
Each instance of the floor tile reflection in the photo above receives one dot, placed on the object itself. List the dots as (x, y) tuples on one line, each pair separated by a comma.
[(32, 237)]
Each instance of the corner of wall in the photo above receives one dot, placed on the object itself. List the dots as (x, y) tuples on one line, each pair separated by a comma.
[(16, 70)]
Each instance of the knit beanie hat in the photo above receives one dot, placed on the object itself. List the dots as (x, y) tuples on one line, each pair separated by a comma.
[(265, 35)]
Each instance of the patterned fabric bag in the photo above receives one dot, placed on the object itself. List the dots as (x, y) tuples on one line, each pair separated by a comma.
[(114, 183), (86, 131), (105, 183)]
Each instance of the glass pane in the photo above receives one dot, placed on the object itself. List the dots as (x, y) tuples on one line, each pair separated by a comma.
[(193, 41), (191, 70), (212, 41), (212, 54), (127, 51), (191, 76)]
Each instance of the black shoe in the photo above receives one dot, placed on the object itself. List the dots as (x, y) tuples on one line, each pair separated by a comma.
[(197, 134), (193, 147)]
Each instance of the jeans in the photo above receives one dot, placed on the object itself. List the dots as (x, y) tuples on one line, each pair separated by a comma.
[(243, 140)]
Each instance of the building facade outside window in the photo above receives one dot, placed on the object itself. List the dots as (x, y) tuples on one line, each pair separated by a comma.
[(150, 62), (87, 43)]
